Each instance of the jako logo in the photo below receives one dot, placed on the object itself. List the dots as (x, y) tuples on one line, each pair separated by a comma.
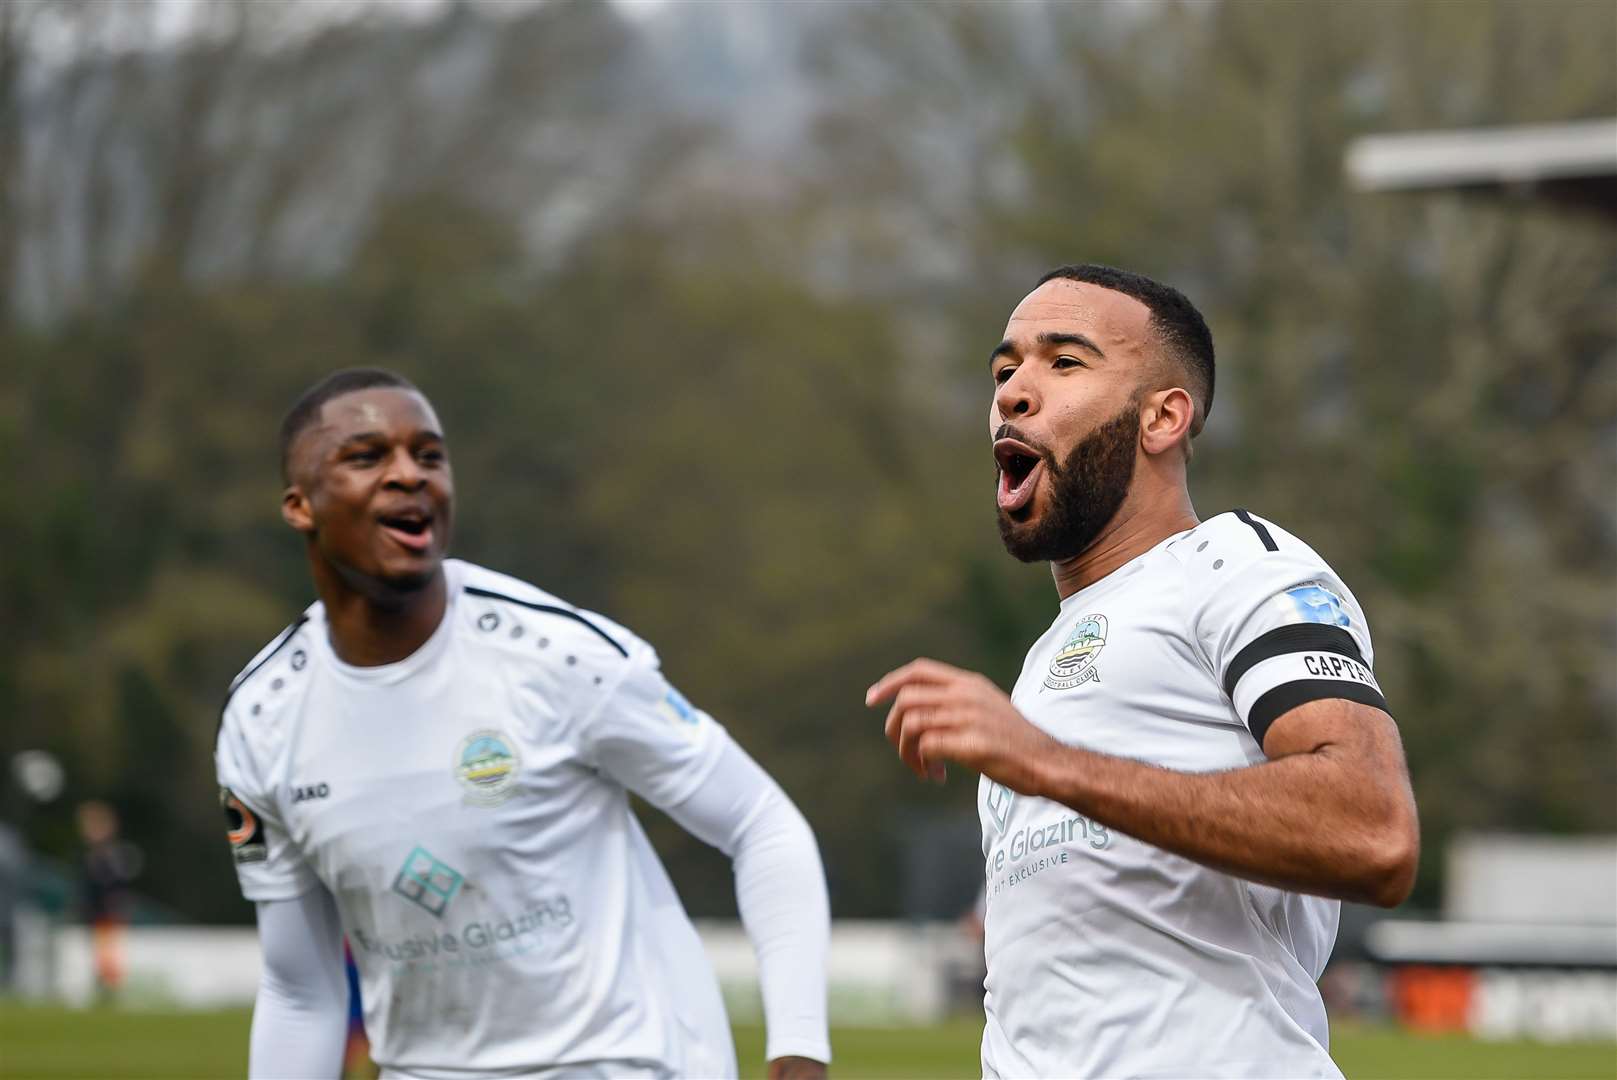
[(305, 792)]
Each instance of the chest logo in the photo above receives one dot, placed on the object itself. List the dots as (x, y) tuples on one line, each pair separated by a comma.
[(486, 767), (427, 881), (1074, 662)]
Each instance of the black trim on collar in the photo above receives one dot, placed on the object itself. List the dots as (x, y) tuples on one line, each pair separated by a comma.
[(1292, 638), (566, 613), (241, 680)]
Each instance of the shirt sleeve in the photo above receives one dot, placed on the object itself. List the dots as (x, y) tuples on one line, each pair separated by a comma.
[(269, 865), (647, 737), (300, 1014), (1280, 629), (780, 892)]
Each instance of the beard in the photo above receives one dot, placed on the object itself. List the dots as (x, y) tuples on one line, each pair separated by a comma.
[(1085, 491)]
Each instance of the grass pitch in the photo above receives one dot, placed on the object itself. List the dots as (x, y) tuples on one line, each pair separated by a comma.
[(57, 1044)]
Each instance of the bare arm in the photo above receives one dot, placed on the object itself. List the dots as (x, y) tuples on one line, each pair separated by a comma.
[(1330, 813)]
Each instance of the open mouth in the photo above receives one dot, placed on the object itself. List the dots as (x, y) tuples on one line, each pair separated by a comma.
[(410, 529), (1020, 467)]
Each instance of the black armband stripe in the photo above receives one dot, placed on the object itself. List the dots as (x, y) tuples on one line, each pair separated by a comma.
[(566, 613), (1292, 638), (280, 643), (1261, 529), (1287, 696)]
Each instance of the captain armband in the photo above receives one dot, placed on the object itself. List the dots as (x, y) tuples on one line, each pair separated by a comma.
[(1295, 664)]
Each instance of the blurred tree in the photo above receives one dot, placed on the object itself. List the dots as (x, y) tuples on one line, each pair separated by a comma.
[(708, 327), (1423, 388)]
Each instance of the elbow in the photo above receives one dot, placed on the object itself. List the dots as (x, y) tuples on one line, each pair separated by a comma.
[(1393, 864)]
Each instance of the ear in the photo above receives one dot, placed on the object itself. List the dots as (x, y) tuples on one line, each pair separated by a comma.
[(295, 509), (1166, 417)]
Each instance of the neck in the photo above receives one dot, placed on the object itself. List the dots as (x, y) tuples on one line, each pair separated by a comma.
[(1140, 524), (372, 624)]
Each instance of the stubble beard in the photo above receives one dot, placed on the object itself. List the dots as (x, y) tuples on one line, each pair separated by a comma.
[(1084, 493)]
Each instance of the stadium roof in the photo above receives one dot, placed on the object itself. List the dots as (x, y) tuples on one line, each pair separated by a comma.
[(1400, 941), (1572, 163)]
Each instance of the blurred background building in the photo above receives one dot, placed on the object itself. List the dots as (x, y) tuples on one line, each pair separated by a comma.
[(704, 294)]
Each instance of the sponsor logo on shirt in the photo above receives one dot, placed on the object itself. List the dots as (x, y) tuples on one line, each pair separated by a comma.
[(486, 766), (427, 882), (1035, 848), (244, 832), (1074, 662), (1317, 604), (305, 792), (480, 941), (997, 799)]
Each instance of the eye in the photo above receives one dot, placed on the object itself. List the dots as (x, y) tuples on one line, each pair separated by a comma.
[(365, 457), (431, 456), (1001, 374), (1066, 361)]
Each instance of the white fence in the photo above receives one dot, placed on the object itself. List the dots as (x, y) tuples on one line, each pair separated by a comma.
[(881, 973)]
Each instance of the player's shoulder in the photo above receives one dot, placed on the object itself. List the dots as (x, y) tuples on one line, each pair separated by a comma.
[(268, 688), (511, 614), (1223, 546)]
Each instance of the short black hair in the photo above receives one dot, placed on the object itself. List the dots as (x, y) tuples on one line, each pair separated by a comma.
[(1175, 319), (306, 409)]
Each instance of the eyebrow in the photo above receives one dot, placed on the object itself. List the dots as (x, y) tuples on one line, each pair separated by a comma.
[(1050, 339), (377, 436)]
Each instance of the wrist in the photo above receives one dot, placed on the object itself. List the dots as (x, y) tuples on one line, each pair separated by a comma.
[(1050, 772), (1035, 778)]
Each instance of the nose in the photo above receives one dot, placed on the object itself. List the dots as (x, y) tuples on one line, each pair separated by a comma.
[(1016, 396), (403, 471)]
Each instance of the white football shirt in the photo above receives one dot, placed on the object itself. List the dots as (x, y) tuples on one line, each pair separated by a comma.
[(468, 809), (1111, 957)]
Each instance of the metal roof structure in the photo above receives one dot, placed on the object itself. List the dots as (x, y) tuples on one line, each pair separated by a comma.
[(1572, 163)]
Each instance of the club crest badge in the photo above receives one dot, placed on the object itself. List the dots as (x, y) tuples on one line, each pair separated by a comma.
[(1074, 662), (486, 766)]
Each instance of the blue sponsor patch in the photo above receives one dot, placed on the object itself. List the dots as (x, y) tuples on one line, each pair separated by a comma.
[(1317, 604)]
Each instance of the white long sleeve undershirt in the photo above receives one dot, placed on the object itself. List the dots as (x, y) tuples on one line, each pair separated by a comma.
[(780, 892), (300, 1019)]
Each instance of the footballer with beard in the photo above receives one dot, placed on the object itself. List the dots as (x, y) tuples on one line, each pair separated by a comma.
[(1196, 764), (435, 761)]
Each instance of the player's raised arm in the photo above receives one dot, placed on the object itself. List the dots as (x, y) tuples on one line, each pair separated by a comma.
[(1330, 813)]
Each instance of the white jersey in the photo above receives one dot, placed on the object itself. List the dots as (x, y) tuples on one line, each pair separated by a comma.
[(1108, 956), (468, 809)]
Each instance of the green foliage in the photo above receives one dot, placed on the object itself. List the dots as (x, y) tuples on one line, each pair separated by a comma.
[(751, 427)]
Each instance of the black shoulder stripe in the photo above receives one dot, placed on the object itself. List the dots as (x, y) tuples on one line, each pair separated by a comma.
[(1261, 529), (280, 643), (566, 613), (1292, 638), (1287, 696)]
